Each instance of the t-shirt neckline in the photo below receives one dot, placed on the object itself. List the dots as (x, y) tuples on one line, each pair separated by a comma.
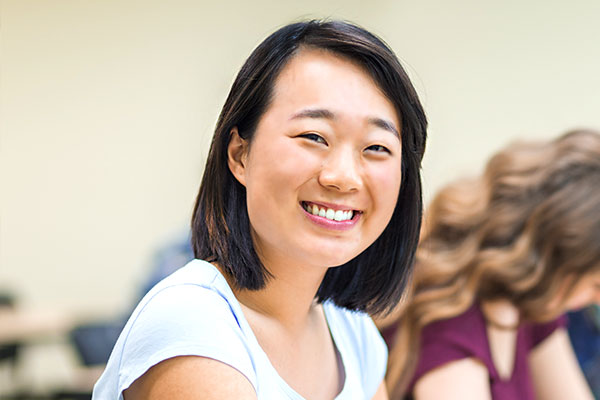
[(518, 332), (245, 325)]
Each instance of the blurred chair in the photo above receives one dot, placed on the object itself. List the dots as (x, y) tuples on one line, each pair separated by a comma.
[(94, 341), (9, 352)]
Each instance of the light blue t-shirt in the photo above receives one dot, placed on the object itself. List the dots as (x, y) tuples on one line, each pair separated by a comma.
[(194, 312)]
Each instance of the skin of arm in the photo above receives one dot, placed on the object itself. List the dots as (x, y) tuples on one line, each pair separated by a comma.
[(191, 377), (555, 372), (465, 379), (381, 393)]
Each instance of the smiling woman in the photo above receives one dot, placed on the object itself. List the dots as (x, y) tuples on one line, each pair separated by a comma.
[(307, 219), (332, 157)]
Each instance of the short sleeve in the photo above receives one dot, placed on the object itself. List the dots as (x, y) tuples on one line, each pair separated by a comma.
[(183, 320), (539, 332), (451, 340)]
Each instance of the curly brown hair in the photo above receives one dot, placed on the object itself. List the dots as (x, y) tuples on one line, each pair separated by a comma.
[(515, 233)]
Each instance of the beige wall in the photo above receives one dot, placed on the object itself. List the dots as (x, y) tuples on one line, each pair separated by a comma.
[(107, 109)]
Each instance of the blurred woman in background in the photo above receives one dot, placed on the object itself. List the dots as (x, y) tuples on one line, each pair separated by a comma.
[(502, 258)]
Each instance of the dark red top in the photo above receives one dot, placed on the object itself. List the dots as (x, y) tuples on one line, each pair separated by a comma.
[(465, 336)]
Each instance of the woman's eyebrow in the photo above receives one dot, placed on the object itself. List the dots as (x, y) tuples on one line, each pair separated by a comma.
[(314, 113), (386, 125), (328, 114)]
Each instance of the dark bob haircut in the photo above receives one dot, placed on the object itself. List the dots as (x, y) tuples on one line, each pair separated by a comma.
[(373, 281)]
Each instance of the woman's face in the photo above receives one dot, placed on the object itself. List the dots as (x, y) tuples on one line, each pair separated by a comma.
[(323, 170)]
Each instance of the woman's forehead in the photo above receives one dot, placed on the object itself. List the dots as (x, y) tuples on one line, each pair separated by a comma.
[(321, 80)]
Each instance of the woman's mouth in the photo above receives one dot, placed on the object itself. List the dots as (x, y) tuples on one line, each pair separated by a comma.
[(338, 215)]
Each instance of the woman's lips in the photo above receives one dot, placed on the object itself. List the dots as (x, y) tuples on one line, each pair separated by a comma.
[(333, 217)]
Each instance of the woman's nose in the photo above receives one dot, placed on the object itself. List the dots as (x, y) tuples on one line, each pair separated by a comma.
[(341, 171)]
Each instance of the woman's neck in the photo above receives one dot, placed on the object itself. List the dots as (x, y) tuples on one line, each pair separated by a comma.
[(288, 296), (501, 313)]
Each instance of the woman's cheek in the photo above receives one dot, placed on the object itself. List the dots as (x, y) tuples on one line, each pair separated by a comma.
[(388, 183)]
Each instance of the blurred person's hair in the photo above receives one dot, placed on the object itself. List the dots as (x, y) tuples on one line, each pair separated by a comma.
[(515, 233), (373, 281)]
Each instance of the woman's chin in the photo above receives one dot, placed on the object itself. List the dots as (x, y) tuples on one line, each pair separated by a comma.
[(335, 260), (333, 253)]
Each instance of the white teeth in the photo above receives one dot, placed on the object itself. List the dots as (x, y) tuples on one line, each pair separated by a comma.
[(339, 215), (334, 215), (330, 214)]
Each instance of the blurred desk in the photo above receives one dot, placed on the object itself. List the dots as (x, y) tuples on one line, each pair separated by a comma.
[(22, 325), (46, 362)]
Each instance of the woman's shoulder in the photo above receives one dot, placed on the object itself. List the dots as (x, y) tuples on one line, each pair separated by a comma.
[(194, 284), (196, 272), (452, 339), (536, 333), (190, 312), (467, 329), (192, 305)]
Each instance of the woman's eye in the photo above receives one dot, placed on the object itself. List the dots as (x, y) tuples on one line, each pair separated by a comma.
[(378, 148), (313, 137)]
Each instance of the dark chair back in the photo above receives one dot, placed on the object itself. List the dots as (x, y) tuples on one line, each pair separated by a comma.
[(10, 351)]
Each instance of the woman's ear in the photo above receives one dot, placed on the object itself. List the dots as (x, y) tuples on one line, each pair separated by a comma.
[(237, 153)]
